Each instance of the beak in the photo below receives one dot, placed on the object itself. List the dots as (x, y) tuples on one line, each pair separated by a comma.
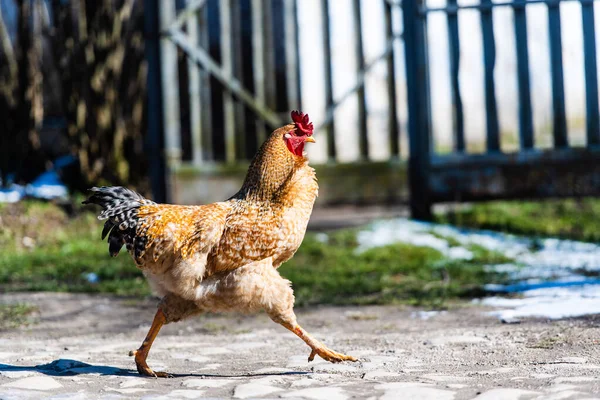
[(310, 139)]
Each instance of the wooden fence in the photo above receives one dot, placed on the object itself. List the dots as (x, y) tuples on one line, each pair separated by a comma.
[(225, 84)]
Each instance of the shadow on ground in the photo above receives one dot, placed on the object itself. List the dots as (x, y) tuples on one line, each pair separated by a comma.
[(66, 367)]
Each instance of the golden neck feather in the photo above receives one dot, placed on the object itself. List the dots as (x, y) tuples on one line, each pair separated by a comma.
[(270, 169)]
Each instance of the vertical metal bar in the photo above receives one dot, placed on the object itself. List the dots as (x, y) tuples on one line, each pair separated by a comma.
[(194, 93), (183, 84), (36, 84), (331, 150), (489, 59), (269, 57), (556, 69), (238, 72), (457, 106), (213, 47), (291, 53), (419, 118), (154, 138), (363, 138), (279, 56), (525, 111), (172, 118), (205, 90), (225, 18), (258, 48), (393, 127), (591, 74), (297, 56)]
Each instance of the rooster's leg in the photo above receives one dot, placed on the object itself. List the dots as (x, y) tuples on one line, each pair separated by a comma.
[(259, 283), (142, 353), (317, 347), (278, 302)]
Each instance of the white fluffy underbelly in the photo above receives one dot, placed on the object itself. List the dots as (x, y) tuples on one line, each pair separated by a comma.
[(250, 288)]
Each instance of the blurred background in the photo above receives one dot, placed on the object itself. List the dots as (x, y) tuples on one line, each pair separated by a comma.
[(73, 92), (487, 110)]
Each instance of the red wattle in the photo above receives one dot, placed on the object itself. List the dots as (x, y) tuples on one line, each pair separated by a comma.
[(295, 144)]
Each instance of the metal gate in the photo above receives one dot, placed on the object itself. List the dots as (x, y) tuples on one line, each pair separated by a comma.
[(211, 132), (529, 173)]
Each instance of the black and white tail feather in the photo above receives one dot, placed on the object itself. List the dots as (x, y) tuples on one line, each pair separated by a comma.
[(120, 208)]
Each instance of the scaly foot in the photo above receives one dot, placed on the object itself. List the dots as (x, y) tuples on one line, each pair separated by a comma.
[(144, 369), (329, 355)]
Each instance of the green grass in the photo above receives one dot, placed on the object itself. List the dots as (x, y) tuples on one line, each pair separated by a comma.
[(334, 273), (576, 219), (41, 248)]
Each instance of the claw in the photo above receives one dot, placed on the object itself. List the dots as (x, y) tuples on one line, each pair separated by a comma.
[(330, 355), (145, 370)]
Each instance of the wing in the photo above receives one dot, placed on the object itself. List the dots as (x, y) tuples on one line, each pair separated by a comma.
[(178, 231)]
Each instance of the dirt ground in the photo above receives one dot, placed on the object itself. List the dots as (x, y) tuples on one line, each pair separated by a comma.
[(77, 349)]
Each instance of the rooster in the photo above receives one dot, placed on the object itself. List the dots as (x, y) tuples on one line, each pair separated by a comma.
[(223, 256)]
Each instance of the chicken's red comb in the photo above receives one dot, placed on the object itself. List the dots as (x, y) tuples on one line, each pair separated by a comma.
[(302, 123)]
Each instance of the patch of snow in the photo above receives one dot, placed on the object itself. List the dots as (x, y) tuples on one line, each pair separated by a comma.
[(553, 303), (12, 194), (384, 233), (322, 237), (47, 191), (553, 253), (425, 315), (551, 273)]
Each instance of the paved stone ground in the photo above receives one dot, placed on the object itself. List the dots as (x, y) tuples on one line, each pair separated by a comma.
[(78, 350)]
